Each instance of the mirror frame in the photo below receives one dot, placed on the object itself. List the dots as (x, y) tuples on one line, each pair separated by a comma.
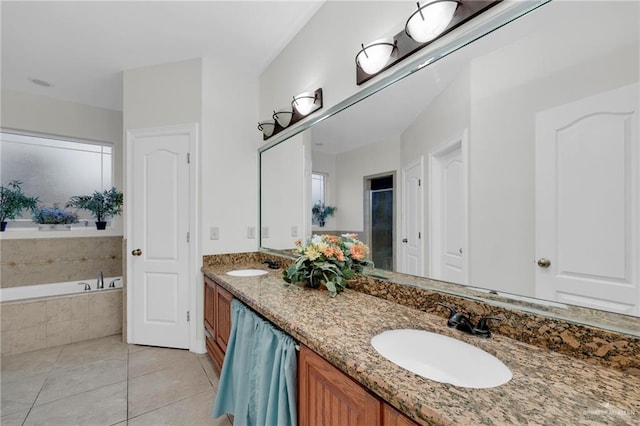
[(482, 25)]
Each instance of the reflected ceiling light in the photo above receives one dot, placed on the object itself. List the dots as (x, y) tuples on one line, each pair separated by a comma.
[(267, 127), (374, 56), (306, 102), (430, 20), (283, 117)]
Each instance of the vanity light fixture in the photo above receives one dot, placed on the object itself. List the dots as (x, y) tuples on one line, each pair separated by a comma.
[(283, 117), (267, 127), (301, 106), (375, 55), (305, 103), (431, 19)]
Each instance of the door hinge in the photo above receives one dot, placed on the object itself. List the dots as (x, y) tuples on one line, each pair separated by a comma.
[(419, 235), (188, 316), (188, 158), (188, 237), (419, 182)]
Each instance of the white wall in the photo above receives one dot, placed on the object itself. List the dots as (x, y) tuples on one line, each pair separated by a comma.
[(228, 158), (351, 169), (283, 174)]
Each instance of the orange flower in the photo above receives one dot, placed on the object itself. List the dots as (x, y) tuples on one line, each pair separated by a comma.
[(328, 252), (339, 254), (333, 239), (358, 252)]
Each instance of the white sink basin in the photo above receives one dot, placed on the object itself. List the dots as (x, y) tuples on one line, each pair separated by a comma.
[(247, 272), (441, 358)]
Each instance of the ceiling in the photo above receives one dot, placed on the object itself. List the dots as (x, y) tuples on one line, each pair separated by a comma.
[(82, 47)]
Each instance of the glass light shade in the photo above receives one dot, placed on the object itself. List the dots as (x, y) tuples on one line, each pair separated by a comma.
[(430, 20), (283, 117), (304, 103), (267, 127), (374, 56)]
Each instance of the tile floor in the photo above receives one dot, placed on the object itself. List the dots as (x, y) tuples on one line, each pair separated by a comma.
[(106, 382)]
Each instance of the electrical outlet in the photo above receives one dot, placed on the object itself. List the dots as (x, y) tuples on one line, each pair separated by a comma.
[(213, 233), (251, 232), (265, 232), (294, 231)]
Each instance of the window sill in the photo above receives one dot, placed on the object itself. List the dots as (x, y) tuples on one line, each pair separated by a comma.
[(34, 233)]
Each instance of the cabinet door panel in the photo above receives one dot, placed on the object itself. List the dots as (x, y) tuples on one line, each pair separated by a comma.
[(223, 317), (327, 396), (208, 304)]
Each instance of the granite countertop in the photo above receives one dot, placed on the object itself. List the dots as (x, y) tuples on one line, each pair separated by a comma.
[(547, 387)]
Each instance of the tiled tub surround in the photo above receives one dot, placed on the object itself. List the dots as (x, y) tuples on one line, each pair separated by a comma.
[(51, 260), (34, 324), (547, 387), (594, 345)]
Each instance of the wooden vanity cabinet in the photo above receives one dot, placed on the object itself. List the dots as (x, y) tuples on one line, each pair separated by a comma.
[(217, 320), (327, 396)]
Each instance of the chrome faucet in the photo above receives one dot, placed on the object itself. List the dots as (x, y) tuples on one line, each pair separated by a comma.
[(87, 287), (100, 283), (112, 284)]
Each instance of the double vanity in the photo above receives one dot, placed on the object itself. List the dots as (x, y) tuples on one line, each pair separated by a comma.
[(336, 334)]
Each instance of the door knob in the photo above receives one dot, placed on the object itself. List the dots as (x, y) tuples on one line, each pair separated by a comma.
[(404, 240), (544, 263), (136, 252)]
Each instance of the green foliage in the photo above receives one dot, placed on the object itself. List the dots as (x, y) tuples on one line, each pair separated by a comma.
[(13, 201), (102, 205), (321, 212), (54, 216)]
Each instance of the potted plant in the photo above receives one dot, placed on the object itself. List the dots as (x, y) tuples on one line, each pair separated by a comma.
[(13, 201), (102, 205), (49, 218), (321, 212)]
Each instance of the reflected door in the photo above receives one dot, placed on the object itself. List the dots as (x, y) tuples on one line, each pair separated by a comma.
[(448, 211), (587, 184), (412, 261), (160, 267)]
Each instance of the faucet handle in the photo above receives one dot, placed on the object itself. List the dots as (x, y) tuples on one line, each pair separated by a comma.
[(482, 329), (455, 317)]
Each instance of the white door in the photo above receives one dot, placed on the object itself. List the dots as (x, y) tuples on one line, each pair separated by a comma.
[(158, 232), (448, 211), (412, 258), (587, 184)]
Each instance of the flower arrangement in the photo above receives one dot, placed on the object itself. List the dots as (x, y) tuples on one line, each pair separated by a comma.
[(328, 260), (320, 212), (54, 216)]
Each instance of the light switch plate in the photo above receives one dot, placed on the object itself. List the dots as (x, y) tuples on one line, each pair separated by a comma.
[(265, 232), (251, 232), (213, 233), (294, 231)]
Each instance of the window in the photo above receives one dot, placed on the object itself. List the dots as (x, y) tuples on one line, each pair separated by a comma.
[(54, 169), (318, 190)]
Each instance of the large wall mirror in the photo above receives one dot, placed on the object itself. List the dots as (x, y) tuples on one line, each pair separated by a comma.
[(509, 166)]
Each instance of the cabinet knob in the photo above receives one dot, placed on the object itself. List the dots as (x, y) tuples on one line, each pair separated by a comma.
[(136, 252)]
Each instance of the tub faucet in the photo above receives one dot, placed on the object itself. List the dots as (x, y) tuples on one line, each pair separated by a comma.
[(112, 284), (87, 287), (100, 283)]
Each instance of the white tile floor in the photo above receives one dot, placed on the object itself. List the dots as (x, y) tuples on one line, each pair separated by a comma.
[(106, 382)]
